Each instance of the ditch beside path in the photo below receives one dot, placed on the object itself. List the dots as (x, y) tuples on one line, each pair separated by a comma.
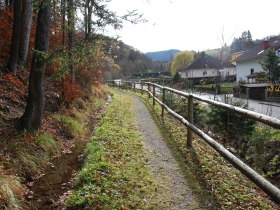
[(176, 194)]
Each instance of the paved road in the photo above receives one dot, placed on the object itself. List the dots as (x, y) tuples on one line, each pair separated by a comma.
[(268, 108)]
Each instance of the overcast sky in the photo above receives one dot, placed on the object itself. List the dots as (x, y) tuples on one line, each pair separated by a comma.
[(196, 24)]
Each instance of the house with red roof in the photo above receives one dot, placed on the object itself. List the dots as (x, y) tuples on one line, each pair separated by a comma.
[(248, 64)]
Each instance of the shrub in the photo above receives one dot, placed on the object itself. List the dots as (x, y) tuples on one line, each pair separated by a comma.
[(230, 125)]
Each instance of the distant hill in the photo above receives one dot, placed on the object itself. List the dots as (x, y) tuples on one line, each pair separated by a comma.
[(166, 55)]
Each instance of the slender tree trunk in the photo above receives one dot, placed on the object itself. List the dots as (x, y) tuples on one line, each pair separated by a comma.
[(63, 21), (54, 16), (26, 22), (89, 18), (33, 115), (71, 39), (13, 59), (86, 18)]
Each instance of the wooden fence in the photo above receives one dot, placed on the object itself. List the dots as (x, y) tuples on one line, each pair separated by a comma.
[(152, 89)]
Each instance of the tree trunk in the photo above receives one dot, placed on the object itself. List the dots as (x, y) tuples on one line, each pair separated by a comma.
[(54, 14), (13, 59), (71, 39), (63, 21), (89, 18), (86, 18), (33, 115), (26, 22)]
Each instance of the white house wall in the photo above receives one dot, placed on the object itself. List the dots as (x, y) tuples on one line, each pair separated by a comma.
[(198, 73), (230, 71), (183, 74), (243, 69)]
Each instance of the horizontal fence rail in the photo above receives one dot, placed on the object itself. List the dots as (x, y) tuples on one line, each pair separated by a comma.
[(150, 88)]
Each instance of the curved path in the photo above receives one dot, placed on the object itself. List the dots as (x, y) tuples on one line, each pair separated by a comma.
[(174, 192)]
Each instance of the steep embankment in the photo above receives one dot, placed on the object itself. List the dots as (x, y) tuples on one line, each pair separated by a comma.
[(25, 157)]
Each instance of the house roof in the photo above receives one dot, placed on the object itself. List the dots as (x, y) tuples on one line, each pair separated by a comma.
[(257, 52), (228, 64), (203, 63)]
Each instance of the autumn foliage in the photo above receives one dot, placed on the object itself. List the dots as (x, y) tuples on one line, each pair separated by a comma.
[(6, 22), (70, 91)]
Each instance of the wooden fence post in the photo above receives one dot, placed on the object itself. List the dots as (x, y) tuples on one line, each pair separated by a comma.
[(134, 84), (149, 90), (141, 87), (154, 95), (163, 101), (190, 119)]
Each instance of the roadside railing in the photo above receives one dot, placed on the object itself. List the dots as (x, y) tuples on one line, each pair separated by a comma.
[(152, 89)]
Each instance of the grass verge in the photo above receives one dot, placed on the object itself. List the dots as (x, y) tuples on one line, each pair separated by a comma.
[(114, 175)]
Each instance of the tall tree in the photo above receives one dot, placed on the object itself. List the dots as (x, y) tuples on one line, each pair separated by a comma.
[(26, 22), (88, 23), (13, 59), (71, 27), (243, 42), (86, 6), (63, 11), (180, 59), (271, 64), (33, 115)]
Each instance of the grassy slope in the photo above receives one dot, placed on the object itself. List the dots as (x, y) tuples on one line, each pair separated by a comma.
[(114, 175), (230, 187), (26, 154)]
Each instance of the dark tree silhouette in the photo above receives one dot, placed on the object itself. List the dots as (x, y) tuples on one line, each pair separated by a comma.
[(13, 59), (33, 115), (26, 21), (71, 26)]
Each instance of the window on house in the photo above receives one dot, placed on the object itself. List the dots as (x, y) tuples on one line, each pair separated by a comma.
[(252, 71), (278, 53)]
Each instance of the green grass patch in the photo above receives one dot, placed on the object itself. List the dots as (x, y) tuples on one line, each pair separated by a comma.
[(71, 123), (223, 85), (29, 157), (114, 175), (11, 192), (230, 187), (49, 144)]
